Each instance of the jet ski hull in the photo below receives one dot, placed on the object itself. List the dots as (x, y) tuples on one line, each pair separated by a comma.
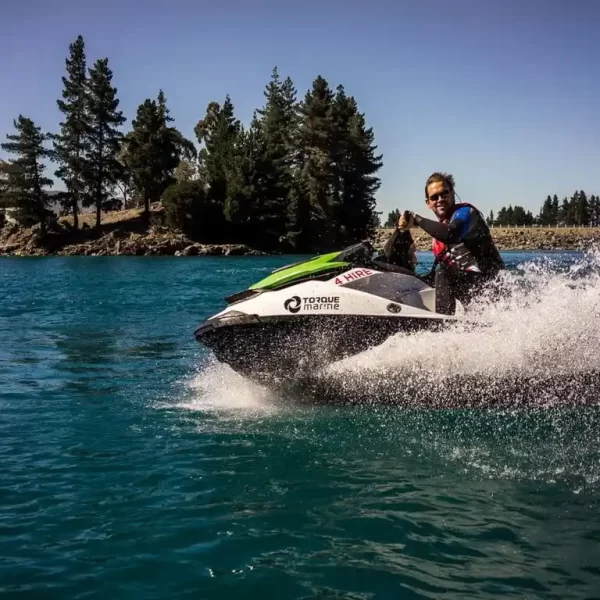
[(272, 349)]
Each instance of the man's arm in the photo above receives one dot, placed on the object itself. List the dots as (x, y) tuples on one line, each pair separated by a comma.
[(448, 233)]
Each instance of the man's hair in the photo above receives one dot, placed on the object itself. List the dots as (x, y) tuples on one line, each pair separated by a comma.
[(446, 178)]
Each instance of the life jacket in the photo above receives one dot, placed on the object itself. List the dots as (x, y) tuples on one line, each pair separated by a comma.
[(456, 256)]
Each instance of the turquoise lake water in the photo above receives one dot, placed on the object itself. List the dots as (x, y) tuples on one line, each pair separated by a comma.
[(134, 467)]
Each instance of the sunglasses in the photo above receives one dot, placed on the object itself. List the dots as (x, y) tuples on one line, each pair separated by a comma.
[(435, 197)]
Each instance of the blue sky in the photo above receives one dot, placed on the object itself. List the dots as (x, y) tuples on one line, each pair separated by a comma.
[(502, 94)]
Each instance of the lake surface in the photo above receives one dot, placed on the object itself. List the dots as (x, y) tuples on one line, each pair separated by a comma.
[(133, 466)]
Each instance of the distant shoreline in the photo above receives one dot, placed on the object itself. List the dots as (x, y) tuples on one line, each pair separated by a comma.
[(158, 242), (520, 239), (125, 233)]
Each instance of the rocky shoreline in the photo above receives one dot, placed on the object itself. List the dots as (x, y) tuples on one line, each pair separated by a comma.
[(160, 241), (526, 239), (157, 241)]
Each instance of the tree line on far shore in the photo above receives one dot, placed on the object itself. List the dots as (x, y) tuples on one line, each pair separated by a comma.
[(579, 210), (301, 175)]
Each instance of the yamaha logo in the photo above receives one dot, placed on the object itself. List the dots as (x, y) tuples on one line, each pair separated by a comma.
[(292, 304)]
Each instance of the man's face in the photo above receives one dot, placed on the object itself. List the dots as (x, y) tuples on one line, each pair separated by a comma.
[(440, 199)]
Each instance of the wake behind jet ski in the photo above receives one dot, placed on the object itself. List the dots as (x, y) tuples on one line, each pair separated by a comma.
[(308, 314)]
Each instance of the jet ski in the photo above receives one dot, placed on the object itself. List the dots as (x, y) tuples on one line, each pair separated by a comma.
[(306, 315)]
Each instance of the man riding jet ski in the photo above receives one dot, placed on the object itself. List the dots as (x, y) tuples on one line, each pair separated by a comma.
[(462, 244), (308, 314)]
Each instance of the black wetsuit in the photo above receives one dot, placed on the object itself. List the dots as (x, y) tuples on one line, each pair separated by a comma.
[(466, 256)]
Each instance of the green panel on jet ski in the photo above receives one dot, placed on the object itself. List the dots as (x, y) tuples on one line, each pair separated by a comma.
[(319, 264)]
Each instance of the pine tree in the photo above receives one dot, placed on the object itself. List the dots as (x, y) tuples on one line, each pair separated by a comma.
[(545, 216), (519, 216), (555, 211), (70, 144), (315, 140), (273, 134), (510, 215), (565, 212), (182, 146), (142, 157), (298, 213), (25, 181), (529, 219), (153, 150), (392, 218), (343, 111), (501, 219), (334, 196), (594, 211), (103, 138), (219, 133), (240, 169), (360, 182), (490, 220), (299, 223), (582, 216)]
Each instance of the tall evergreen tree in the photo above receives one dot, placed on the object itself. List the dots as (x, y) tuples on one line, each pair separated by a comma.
[(565, 212), (510, 215), (555, 210), (582, 216), (334, 198), (343, 111), (273, 133), (315, 140), (299, 223), (545, 216), (219, 133), (594, 211), (153, 150), (501, 219), (359, 179), (102, 137), (70, 144), (25, 181), (392, 218)]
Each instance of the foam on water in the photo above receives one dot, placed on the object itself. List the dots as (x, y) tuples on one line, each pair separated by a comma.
[(551, 326), (544, 332), (217, 388)]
